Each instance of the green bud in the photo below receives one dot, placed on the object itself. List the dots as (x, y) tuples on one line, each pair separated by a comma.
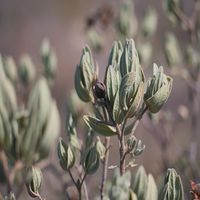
[(139, 148), (129, 61), (150, 22), (34, 181), (145, 52), (100, 148), (192, 56), (66, 155), (26, 69), (158, 90), (131, 142), (84, 76), (130, 94), (172, 189), (126, 22), (91, 160), (115, 54), (7, 92), (10, 68), (95, 39), (99, 126), (71, 129), (170, 7), (172, 50), (49, 59), (133, 196)]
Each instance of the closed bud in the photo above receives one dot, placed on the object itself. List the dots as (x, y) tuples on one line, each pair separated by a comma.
[(49, 59), (158, 90), (150, 22), (34, 181), (126, 23), (65, 155), (26, 69), (91, 160), (172, 50), (170, 7), (139, 148), (84, 76), (100, 148), (131, 142), (10, 68)]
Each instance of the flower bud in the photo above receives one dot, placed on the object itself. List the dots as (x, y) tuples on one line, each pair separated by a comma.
[(91, 160), (158, 90), (26, 69), (126, 23), (66, 155), (34, 181), (172, 50), (100, 148), (84, 76), (49, 59), (131, 142)]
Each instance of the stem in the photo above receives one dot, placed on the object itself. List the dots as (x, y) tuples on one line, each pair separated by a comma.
[(105, 167), (4, 161), (85, 191)]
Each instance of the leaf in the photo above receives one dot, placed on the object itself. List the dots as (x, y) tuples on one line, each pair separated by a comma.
[(99, 126), (152, 191)]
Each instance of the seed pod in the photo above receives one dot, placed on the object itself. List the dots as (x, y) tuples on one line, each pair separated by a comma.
[(91, 160), (34, 181), (26, 69), (84, 76), (158, 90), (66, 155), (49, 59)]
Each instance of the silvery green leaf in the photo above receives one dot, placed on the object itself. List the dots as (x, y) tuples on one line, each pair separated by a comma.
[(129, 61), (10, 68), (91, 160), (65, 154), (26, 69), (139, 184), (152, 191), (115, 54), (112, 83), (7, 91), (172, 189), (172, 50), (145, 50), (99, 126), (84, 76), (126, 23), (51, 131), (133, 196), (192, 56), (118, 115), (150, 21)]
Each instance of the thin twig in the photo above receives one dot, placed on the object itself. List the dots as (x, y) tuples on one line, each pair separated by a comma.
[(105, 167)]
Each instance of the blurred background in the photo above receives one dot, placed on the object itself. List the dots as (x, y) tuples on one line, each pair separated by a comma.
[(23, 26)]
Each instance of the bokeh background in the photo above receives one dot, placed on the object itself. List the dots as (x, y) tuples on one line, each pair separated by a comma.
[(24, 24)]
